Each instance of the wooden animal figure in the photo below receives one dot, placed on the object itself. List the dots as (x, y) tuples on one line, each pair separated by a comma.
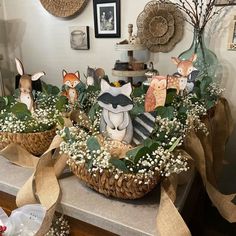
[(185, 67), (156, 94), (71, 80), (115, 120), (173, 82), (25, 85), (186, 72), (94, 76)]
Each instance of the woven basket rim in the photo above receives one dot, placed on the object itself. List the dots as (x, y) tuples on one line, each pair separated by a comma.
[(30, 133), (64, 8)]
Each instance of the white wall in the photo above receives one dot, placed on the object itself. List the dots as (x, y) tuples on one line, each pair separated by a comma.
[(42, 42)]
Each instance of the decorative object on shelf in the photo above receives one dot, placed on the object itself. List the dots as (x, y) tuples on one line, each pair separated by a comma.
[(151, 72), (120, 65), (64, 8), (225, 2), (25, 85), (135, 68), (79, 37), (116, 104), (232, 35), (160, 26), (70, 84), (198, 14), (106, 18)]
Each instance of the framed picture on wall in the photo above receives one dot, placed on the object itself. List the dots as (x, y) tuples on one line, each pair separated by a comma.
[(232, 35), (225, 2), (106, 18)]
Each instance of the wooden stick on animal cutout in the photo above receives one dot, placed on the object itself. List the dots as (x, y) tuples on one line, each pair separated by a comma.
[(71, 80), (25, 85), (156, 94), (186, 72)]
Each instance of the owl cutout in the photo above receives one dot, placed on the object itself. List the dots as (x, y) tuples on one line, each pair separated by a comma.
[(156, 94)]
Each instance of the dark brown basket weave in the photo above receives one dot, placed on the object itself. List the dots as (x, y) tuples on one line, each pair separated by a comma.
[(125, 187), (35, 143)]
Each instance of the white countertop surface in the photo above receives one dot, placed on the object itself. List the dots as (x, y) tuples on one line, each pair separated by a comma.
[(126, 218)]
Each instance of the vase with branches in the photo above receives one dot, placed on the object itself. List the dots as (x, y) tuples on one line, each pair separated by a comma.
[(198, 13)]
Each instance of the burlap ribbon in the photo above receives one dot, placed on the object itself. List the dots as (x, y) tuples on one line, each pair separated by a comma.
[(207, 152), (42, 187)]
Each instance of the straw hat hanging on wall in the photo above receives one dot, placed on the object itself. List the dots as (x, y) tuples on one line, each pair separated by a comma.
[(160, 26), (64, 8)]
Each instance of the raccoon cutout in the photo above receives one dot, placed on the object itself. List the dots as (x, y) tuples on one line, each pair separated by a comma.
[(115, 120)]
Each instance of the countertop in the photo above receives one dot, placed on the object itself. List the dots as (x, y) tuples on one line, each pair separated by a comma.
[(129, 217)]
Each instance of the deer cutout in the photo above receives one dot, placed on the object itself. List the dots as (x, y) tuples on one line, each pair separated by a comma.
[(25, 85), (71, 80), (185, 69)]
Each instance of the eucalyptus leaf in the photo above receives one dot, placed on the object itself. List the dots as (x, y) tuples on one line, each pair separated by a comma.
[(93, 110), (165, 112), (175, 144), (138, 92), (60, 104), (93, 144), (119, 164), (171, 94), (21, 111), (137, 110), (136, 153)]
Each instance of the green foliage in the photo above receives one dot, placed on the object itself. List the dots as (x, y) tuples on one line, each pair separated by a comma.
[(21, 111), (92, 112), (171, 95), (119, 164), (137, 110), (50, 89), (165, 112), (93, 144), (61, 102), (175, 144)]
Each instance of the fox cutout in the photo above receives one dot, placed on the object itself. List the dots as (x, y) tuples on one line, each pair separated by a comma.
[(71, 80), (156, 94)]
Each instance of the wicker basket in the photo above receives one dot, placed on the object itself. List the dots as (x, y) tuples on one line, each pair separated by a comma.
[(124, 187), (35, 143)]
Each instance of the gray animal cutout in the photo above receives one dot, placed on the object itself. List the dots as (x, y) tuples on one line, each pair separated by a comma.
[(25, 85), (116, 103)]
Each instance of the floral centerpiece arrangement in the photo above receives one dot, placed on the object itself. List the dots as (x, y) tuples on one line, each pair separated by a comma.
[(125, 139), (28, 121)]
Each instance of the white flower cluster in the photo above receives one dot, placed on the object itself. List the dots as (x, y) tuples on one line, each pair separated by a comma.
[(215, 90), (169, 129), (60, 227)]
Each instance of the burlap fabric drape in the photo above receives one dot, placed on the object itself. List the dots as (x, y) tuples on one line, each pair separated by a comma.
[(206, 152)]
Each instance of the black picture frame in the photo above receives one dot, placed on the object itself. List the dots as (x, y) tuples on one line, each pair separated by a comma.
[(106, 18), (225, 2)]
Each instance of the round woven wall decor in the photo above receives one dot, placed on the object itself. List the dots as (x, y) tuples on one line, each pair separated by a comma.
[(160, 26), (64, 8)]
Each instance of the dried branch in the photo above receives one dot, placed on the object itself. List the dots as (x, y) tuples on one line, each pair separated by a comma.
[(198, 12)]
